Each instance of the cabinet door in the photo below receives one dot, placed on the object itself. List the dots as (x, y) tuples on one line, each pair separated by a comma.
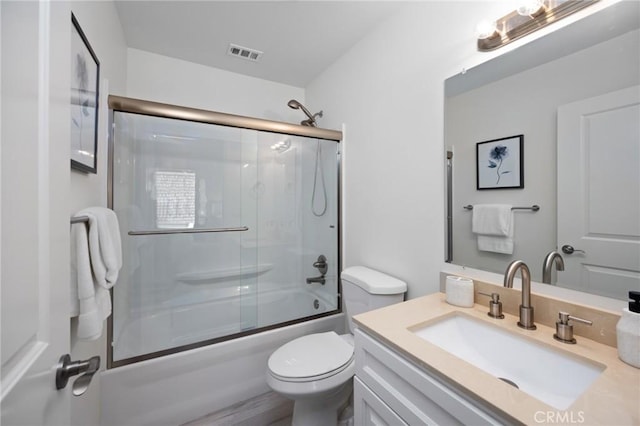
[(371, 410), (410, 391)]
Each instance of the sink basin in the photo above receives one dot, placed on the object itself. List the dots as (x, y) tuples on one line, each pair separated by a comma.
[(541, 371)]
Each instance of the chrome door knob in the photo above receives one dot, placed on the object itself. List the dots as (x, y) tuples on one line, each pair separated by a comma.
[(567, 249)]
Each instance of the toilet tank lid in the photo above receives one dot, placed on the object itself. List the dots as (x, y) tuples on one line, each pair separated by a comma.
[(372, 281)]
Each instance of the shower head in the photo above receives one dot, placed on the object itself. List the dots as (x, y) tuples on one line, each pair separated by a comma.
[(312, 117), (294, 104)]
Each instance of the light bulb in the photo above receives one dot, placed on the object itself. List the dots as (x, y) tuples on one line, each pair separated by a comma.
[(486, 29), (530, 7)]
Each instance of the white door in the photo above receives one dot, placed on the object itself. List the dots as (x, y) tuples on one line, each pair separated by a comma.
[(34, 179), (599, 193)]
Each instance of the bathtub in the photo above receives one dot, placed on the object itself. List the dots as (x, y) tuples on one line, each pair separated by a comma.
[(184, 386), (206, 314)]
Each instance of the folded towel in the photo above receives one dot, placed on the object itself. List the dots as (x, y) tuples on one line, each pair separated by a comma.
[(104, 245), (497, 244), (494, 226), (491, 219), (95, 263)]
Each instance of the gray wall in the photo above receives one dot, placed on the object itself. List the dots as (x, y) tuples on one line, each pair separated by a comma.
[(526, 103)]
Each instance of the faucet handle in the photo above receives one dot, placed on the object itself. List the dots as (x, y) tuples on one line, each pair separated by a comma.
[(495, 305), (564, 318), (564, 330), (321, 264)]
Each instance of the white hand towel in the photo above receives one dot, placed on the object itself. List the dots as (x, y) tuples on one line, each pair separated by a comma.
[(93, 274), (104, 245), (491, 219), (497, 244), (494, 226)]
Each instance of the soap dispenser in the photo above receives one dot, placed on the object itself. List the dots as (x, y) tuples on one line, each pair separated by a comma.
[(628, 331)]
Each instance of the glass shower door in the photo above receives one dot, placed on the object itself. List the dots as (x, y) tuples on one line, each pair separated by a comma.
[(297, 200), (221, 228), (177, 191)]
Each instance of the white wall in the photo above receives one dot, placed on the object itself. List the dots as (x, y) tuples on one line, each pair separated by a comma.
[(159, 78), (101, 25), (526, 103), (388, 90)]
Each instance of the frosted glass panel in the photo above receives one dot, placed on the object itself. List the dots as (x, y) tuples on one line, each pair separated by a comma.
[(176, 184), (175, 193)]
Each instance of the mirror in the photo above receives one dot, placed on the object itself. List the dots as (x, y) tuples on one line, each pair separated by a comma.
[(521, 93)]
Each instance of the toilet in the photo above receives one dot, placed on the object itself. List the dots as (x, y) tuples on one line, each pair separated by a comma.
[(316, 370)]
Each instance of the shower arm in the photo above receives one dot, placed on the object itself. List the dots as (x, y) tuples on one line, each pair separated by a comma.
[(311, 121), (306, 111)]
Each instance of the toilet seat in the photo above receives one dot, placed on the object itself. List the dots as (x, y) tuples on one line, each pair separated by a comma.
[(317, 371), (310, 358)]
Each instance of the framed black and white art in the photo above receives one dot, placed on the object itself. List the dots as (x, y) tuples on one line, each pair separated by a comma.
[(85, 79), (500, 163)]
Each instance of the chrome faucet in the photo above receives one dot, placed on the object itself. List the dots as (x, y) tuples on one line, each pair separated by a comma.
[(549, 260), (526, 310)]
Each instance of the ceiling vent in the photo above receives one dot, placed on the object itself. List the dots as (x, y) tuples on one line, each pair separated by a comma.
[(244, 52)]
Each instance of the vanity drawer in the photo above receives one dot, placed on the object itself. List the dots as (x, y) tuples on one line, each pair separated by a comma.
[(371, 410), (417, 397)]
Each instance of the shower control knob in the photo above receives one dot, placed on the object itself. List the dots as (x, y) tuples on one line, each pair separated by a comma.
[(321, 264)]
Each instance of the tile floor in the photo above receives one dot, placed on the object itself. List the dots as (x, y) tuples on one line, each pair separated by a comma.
[(269, 409)]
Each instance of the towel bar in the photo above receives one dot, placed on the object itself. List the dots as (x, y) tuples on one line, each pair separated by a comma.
[(187, 231), (534, 207), (79, 219)]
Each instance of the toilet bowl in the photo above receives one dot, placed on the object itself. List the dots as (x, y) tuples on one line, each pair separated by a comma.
[(316, 370)]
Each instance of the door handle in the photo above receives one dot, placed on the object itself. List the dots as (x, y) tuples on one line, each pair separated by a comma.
[(567, 249), (67, 369)]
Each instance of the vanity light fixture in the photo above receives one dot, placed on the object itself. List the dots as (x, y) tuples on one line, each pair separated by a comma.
[(530, 16), (531, 8)]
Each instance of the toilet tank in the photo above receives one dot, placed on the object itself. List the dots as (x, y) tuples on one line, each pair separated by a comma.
[(364, 289)]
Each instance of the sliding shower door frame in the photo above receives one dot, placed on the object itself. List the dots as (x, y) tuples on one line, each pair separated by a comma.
[(156, 109)]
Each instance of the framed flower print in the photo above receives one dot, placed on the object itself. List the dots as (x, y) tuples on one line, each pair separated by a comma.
[(85, 79), (500, 163)]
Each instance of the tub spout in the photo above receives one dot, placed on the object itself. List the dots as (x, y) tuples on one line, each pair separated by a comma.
[(319, 279)]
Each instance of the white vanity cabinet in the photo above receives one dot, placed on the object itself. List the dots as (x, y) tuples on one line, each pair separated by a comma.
[(391, 390)]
